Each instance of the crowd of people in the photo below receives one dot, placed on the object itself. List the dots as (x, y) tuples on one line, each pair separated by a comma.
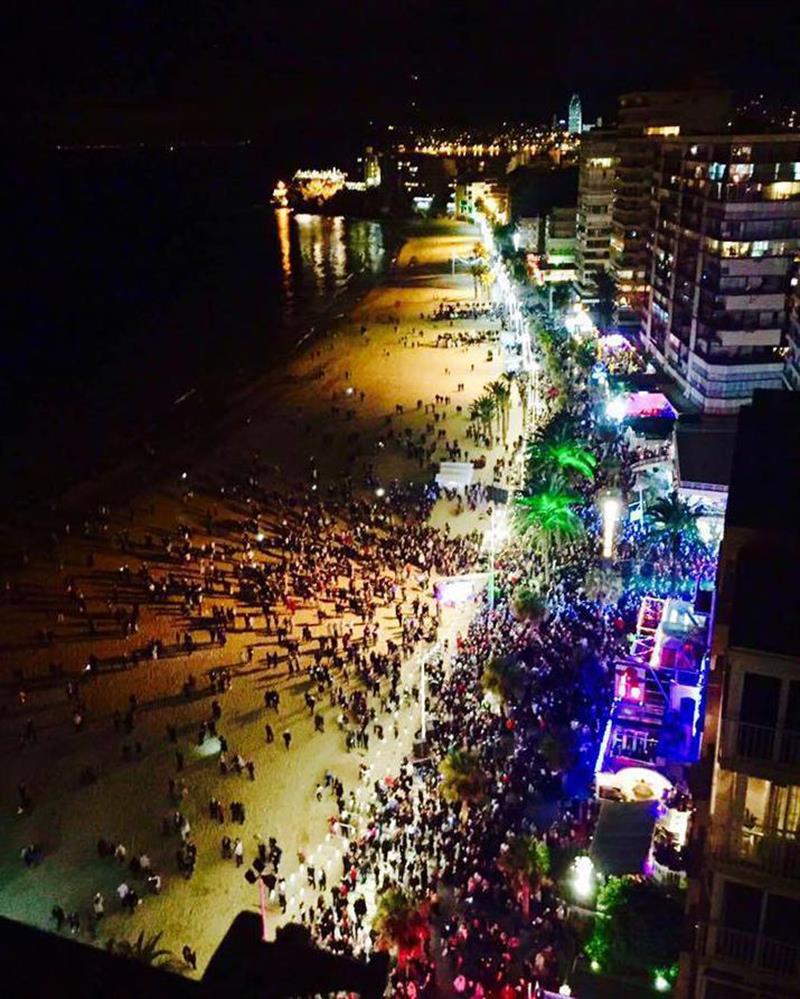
[(305, 575)]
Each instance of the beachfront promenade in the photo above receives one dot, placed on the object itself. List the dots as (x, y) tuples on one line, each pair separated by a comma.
[(170, 573)]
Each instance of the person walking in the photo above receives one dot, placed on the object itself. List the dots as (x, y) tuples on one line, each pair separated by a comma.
[(287, 739), (189, 956), (238, 851)]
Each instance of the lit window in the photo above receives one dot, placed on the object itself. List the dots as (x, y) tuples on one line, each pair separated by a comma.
[(716, 171), (666, 130), (741, 171)]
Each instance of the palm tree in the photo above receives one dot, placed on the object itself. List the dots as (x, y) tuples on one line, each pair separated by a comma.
[(483, 409), (479, 268), (528, 605), (557, 748), (584, 353), (603, 584), (549, 516), (523, 383), (463, 778), (401, 923), (671, 519), (503, 677), (501, 393), (525, 863), (547, 457), (145, 951)]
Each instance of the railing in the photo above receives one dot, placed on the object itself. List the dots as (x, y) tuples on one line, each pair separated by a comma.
[(766, 743), (752, 950), (776, 853)]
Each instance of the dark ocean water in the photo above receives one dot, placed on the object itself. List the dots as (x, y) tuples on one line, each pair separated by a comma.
[(139, 277)]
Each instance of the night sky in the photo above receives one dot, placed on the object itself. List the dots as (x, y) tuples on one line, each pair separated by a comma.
[(282, 70)]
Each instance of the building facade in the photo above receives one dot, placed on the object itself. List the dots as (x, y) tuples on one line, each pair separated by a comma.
[(560, 235), (744, 889), (643, 120), (595, 201), (490, 195), (791, 373), (575, 117), (725, 230)]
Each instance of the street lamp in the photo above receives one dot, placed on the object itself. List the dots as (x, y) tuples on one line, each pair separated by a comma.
[(610, 503), (256, 874), (584, 880), (498, 532), (616, 408)]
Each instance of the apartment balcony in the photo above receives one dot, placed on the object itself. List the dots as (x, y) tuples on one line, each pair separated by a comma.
[(760, 750), (755, 953), (774, 854)]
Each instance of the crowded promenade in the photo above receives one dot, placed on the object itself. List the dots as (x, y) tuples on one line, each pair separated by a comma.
[(232, 668)]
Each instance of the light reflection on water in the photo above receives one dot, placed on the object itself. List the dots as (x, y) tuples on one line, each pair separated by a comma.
[(320, 254)]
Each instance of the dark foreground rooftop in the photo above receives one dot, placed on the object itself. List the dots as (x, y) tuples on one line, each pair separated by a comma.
[(38, 964), (766, 602)]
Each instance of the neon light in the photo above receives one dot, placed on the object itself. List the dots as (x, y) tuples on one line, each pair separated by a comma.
[(601, 754)]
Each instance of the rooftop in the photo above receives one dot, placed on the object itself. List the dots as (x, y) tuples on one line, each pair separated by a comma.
[(704, 451), (766, 602), (765, 478)]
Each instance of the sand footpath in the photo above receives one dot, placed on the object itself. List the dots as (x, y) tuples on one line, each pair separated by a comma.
[(379, 357)]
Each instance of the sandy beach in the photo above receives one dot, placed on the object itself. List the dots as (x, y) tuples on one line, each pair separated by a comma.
[(334, 403)]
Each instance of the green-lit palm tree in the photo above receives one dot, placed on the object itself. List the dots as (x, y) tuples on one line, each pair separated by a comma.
[(503, 676), (550, 517), (672, 519), (548, 457), (463, 778), (526, 863)]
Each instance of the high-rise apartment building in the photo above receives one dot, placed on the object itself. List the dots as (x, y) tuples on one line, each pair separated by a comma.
[(595, 200), (575, 117), (725, 230), (559, 235), (744, 886), (791, 372), (643, 119)]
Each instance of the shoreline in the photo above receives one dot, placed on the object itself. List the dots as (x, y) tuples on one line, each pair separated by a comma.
[(199, 409), (384, 378)]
